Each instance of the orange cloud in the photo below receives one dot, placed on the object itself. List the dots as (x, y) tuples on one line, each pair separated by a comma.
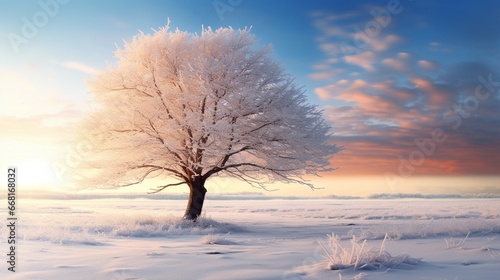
[(364, 60), (427, 65), (383, 126), (438, 95), (384, 107), (381, 44), (395, 64)]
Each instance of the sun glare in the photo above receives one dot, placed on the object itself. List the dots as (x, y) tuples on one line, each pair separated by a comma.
[(36, 173)]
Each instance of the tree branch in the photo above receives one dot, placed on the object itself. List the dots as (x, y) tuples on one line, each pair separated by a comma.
[(173, 171), (160, 188), (153, 169), (251, 182)]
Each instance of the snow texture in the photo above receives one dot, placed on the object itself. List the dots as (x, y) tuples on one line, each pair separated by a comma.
[(258, 239)]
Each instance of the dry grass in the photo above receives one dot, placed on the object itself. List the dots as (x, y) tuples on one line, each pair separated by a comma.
[(360, 255)]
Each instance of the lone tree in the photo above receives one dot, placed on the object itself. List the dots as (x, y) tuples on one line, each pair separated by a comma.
[(189, 106)]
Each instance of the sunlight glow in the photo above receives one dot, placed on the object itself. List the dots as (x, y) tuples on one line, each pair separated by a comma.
[(36, 173)]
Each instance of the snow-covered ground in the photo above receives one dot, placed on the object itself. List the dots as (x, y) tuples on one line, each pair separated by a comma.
[(254, 239)]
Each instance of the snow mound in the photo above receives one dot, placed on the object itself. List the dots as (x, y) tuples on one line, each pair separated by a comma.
[(415, 229), (165, 226), (216, 239), (94, 229)]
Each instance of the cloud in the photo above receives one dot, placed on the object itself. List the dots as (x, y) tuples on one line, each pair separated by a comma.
[(384, 123), (381, 44), (32, 138), (358, 36), (386, 99), (326, 70), (364, 60), (321, 76), (25, 100), (427, 65), (80, 67), (435, 95), (394, 64), (15, 80)]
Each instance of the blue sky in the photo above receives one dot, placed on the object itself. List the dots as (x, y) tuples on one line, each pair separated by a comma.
[(389, 75), (87, 31)]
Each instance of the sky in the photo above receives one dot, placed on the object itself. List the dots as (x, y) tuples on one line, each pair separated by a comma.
[(411, 88)]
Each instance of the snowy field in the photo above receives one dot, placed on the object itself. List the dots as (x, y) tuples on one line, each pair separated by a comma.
[(257, 239)]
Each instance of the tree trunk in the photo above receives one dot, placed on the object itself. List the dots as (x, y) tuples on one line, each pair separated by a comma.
[(196, 198)]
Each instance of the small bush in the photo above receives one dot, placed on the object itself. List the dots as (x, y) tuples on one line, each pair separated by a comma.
[(454, 243), (361, 256), (216, 239)]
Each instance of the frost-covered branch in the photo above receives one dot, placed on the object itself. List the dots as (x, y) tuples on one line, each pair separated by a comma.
[(198, 105)]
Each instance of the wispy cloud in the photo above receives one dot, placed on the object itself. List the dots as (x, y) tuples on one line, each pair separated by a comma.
[(80, 67), (364, 60), (428, 65), (26, 100)]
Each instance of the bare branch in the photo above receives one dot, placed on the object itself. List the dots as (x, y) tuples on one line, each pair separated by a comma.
[(251, 182), (142, 178), (173, 171), (161, 188)]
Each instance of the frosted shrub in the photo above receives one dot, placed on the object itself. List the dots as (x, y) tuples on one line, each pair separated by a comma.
[(217, 239), (359, 255), (452, 243)]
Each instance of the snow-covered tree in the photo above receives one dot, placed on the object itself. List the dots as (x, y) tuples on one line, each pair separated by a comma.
[(192, 106)]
